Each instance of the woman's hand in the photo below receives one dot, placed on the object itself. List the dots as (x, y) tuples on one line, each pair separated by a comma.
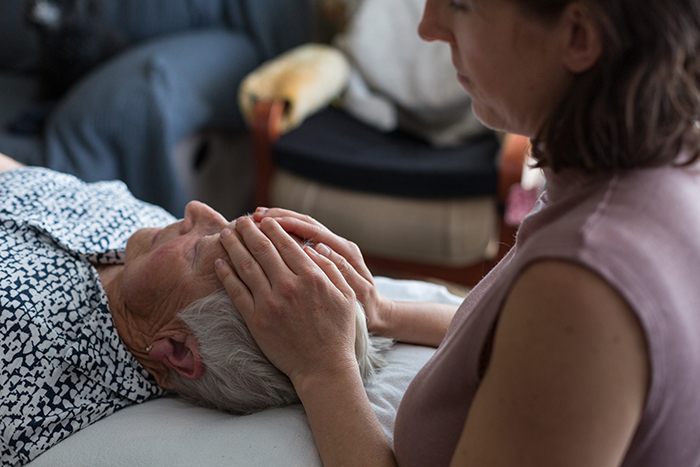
[(345, 255), (296, 303), (301, 312)]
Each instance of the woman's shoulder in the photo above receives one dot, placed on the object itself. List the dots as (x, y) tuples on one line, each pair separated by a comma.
[(568, 368), (560, 303), (629, 214), (566, 288), (640, 233)]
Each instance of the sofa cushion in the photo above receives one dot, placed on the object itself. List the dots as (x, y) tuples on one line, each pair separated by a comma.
[(123, 120), (139, 20), (274, 25)]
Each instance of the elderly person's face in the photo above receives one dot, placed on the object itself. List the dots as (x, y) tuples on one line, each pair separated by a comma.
[(169, 268), (166, 270), (509, 63)]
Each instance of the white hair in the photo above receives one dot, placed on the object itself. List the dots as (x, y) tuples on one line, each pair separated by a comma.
[(237, 376)]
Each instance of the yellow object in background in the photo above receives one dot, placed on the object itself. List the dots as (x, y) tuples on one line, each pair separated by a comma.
[(306, 78)]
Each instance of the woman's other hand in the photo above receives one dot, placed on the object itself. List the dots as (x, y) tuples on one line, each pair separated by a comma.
[(347, 257), (298, 306)]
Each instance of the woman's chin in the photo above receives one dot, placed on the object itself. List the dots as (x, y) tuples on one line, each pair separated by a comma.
[(496, 121), (488, 119)]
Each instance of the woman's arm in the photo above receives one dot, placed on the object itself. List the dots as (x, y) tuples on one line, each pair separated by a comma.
[(412, 322), (7, 163), (416, 322), (567, 379), (344, 425)]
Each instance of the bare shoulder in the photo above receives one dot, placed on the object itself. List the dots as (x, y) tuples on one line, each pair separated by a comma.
[(7, 163), (568, 376), (568, 321), (559, 293)]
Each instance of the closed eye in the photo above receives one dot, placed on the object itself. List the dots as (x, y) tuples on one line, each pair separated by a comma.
[(195, 252), (202, 251)]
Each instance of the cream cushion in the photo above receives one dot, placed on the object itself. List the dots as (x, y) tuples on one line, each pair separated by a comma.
[(454, 232)]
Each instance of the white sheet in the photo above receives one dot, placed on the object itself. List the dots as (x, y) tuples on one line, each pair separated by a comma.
[(169, 432)]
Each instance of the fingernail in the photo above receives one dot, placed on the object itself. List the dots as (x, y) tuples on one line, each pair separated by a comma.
[(225, 233), (323, 249), (218, 263), (261, 209)]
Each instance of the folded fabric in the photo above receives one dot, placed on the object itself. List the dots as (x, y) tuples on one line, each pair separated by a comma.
[(415, 79), (306, 78)]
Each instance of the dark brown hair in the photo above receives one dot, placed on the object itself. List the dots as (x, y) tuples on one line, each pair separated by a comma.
[(640, 104)]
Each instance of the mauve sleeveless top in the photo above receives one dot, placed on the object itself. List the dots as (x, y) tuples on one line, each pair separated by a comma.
[(640, 232)]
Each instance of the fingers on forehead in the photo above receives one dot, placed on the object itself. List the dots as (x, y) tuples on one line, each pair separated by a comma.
[(303, 229), (278, 235), (231, 240), (290, 249), (251, 234)]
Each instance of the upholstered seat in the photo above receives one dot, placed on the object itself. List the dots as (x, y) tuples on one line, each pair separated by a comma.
[(414, 210), (334, 148)]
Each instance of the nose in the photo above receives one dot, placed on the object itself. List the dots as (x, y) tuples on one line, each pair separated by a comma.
[(200, 215), (432, 26)]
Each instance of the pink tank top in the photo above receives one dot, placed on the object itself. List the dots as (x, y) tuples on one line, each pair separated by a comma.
[(639, 231)]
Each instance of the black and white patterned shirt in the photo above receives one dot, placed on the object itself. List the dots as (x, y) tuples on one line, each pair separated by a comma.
[(62, 364)]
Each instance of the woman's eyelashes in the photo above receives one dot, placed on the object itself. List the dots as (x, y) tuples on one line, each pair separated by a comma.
[(461, 5)]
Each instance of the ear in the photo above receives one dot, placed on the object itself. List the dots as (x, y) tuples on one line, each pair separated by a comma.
[(583, 45), (181, 353)]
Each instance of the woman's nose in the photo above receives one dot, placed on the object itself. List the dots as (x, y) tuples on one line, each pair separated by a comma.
[(431, 27)]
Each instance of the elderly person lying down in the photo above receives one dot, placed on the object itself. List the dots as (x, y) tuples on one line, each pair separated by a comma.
[(106, 301)]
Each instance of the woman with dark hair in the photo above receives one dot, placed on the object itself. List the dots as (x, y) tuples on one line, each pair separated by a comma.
[(581, 347)]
